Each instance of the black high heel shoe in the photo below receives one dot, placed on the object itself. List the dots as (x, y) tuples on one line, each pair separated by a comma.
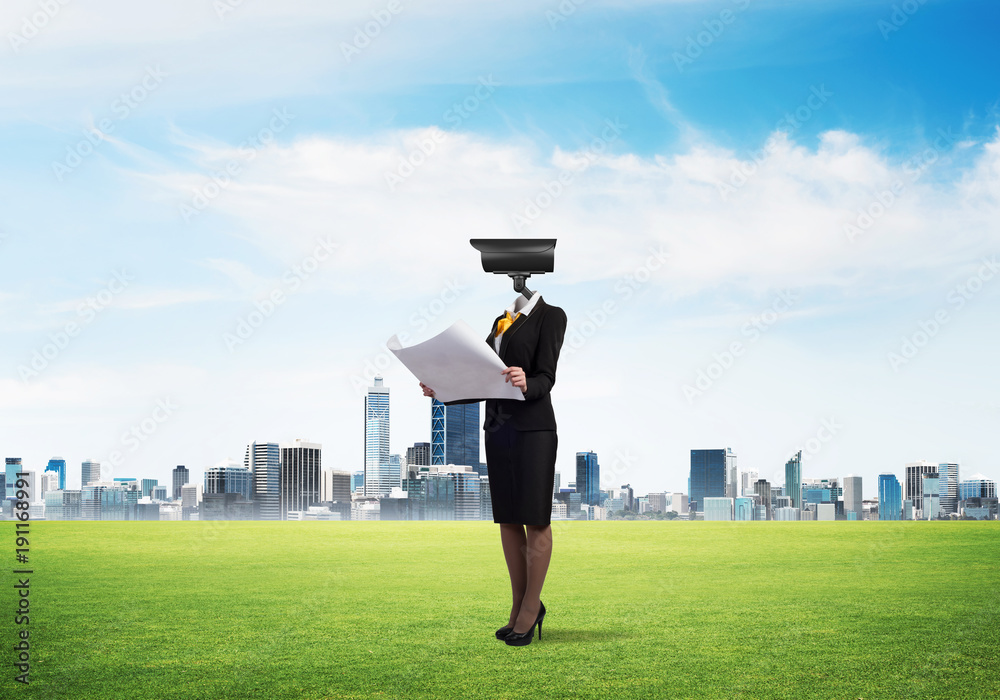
[(504, 631), (519, 640)]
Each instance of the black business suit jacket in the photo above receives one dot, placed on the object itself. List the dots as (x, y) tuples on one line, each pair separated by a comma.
[(532, 343)]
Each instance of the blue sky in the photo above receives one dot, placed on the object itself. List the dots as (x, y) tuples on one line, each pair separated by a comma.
[(826, 152)]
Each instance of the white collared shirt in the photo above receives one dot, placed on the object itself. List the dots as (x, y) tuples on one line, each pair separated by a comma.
[(520, 306)]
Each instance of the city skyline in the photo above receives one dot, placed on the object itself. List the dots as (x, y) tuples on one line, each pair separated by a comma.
[(726, 463), (776, 232)]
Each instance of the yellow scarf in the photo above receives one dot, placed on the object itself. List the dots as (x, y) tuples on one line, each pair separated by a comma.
[(504, 323)]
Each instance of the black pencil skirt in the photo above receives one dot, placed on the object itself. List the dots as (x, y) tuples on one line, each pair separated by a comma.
[(522, 470)]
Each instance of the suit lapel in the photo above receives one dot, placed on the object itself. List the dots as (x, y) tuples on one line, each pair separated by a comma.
[(507, 334), (518, 322), (516, 325)]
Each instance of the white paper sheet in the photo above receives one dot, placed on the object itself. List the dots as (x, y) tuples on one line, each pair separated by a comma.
[(457, 364)]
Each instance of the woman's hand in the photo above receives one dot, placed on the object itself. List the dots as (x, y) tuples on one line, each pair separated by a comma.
[(427, 390), (515, 375)]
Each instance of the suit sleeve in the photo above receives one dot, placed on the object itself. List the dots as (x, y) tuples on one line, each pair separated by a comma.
[(550, 340)]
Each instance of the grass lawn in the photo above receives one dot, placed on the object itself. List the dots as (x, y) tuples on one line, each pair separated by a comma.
[(408, 610)]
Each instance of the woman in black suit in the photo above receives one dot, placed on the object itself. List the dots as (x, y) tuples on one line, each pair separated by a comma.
[(521, 446)]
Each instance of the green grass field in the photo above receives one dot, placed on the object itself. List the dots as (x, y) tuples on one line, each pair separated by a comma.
[(408, 610)]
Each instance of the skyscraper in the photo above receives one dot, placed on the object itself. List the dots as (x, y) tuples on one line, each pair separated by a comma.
[(191, 495), (437, 432), (419, 455), (977, 486), (732, 475), (468, 504), (931, 496), (455, 433), (376, 439), (710, 471), (336, 486), (90, 471), (763, 489), (147, 487), (301, 476), (588, 478), (747, 481), (793, 479), (58, 465), (181, 476), (49, 482), (229, 479), (852, 497), (890, 497), (11, 467), (948, 484), (912, 480), (394, 474), (263, 459)]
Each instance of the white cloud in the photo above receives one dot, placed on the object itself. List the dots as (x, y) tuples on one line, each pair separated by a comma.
[(842, 215)]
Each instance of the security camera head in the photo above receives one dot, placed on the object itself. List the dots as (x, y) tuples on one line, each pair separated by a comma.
[(516, 256)]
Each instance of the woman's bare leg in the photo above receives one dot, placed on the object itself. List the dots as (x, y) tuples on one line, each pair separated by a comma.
[(514, 543), (536, 554)]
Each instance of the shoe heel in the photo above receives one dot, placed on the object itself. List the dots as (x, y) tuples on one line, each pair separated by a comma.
[(539, 630)]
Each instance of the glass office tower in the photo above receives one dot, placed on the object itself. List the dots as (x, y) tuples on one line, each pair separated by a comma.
[(377, 439), (11, 467), (455, 434), (263, 459), (301, 476), (229, 480), (710, 470), (890, 497), (58, 465), (913, 480), (948, 485), (588, 478), (852, 497), (977, 486), (90, 471), (793, 479), (181, 476), (931, 498)]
